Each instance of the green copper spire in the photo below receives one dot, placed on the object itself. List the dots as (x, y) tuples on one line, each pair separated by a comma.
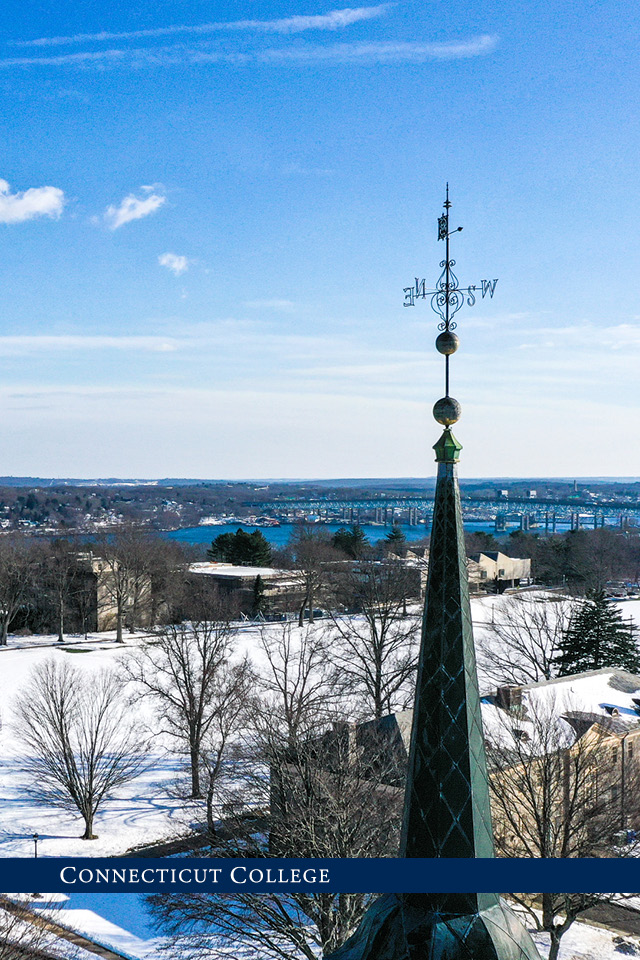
[(446, 807), (446, 812), (447, 448)]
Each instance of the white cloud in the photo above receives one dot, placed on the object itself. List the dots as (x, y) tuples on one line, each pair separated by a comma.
[(34, 202), (383, 52), (180, 54), (12, 346), (132, 208), (66, 59), (172, 261), (334, 20)]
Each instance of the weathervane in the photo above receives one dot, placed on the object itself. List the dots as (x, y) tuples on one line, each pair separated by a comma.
[(446, 805), (446, 300)]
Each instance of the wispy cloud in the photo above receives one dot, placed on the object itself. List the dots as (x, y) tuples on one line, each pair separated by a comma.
[(133, 208), (12, 346), (185, 55), (34, 202), (174, 262), (384, 51), (334, 20), (70, 59)]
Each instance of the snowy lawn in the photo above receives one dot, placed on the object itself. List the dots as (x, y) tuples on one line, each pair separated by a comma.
[(148, 809), (144, 810), (585, 942)]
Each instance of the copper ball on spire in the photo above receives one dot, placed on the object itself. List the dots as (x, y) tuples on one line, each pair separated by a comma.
[(447, 343), (447, 411)]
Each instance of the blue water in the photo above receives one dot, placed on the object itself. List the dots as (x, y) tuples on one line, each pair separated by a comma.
[(280, 536)]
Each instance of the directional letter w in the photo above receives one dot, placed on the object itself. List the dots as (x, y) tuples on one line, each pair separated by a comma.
[(488, 286)]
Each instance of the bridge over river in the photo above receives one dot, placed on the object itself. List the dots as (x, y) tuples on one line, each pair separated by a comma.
[(538, 513)]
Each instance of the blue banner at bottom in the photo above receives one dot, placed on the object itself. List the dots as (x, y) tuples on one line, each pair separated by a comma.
[(54, 875)]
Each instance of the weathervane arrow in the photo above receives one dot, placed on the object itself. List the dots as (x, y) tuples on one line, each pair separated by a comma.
[(448, 296)]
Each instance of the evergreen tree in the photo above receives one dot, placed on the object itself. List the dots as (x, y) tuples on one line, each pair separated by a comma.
[(395, 540), (241, 548), (351, 541), (480, 542), (598, 637)]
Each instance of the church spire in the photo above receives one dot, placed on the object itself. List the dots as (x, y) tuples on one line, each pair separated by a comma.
[(446, 808), (446, 811)]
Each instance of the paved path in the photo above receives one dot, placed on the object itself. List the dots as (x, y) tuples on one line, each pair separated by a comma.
[(618, 917)]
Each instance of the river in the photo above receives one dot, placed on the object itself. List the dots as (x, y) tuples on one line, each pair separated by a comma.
[(279, 536)]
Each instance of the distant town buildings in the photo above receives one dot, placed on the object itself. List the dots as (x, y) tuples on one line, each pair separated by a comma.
[(280, 590), (496, 571)]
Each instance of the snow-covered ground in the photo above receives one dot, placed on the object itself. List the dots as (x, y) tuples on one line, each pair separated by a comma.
[(116, 921), (103, 919), (148, 809), (597, 692), (488, 610), (81, 640), (144, 810), (586, 942), (485, 609), (100, 930)]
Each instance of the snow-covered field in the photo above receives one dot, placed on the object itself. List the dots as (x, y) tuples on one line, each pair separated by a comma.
[(144, 810), (487, 610), (148, 808), (585, 942)]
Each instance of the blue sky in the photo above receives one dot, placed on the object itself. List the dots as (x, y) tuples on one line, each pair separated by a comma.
[(208, 212)]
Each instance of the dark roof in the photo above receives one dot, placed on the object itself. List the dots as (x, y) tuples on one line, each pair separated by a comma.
[(581, 721)]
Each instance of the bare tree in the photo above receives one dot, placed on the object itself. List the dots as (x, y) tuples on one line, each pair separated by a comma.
[(28, 934), (62, 578), (125, 566), (270, 926), (315, 779), (186, 672), (297, 682), (85, 597), (579, 560), (311, 553), (554, 790), (17, 568), (524, 638), (113, 583), (80, 741), (377, 651), (228, 710), (597, 556), (168, 568)]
